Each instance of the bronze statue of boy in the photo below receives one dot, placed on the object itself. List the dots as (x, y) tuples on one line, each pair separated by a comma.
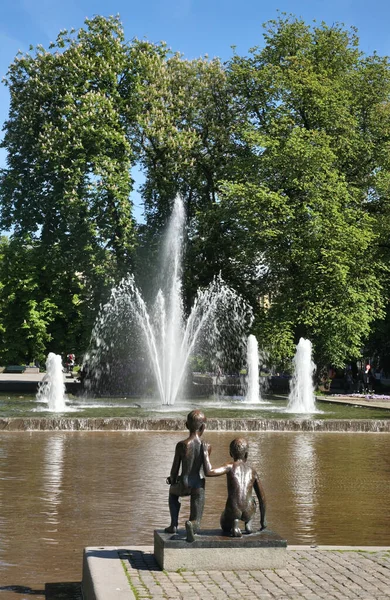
[(241, 481), (189, 456)]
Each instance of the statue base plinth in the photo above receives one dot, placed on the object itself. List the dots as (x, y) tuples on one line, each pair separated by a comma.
[(213, 551)]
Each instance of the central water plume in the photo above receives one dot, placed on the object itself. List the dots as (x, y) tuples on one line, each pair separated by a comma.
[(253, 382), (52, 387), (301, 398), (216, 324)]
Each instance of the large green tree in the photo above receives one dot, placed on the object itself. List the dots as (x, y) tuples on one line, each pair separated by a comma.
[(316, 135), (67, 182), (184, 142)]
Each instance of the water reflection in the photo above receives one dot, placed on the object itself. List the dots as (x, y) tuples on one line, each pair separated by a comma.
[(53, 465), (303, 482), (4, 535)]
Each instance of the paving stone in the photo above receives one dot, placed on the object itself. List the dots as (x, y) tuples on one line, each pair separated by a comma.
[(310, 574)]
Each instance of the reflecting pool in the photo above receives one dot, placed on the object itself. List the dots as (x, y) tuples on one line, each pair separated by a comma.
[(62, 491)]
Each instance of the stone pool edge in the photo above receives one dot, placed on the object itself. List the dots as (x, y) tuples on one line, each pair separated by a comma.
[(178, 424)]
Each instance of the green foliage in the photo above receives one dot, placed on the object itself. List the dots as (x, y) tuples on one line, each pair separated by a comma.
[(302, 205), (24, 320), (68, 180), (282, 157), (183, 125), (67, 184), (184, 144)]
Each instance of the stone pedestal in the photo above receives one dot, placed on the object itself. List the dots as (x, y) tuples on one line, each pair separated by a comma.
[(212, 550)]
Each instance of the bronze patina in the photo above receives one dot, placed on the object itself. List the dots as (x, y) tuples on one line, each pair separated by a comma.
[(242, 480), (190, 482)]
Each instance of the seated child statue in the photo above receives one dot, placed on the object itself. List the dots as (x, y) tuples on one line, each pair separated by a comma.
[(190, 482), (241, 481)]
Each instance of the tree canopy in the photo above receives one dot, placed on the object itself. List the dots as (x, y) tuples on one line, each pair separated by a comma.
[(67, 182), (316, 133), (281, 156)]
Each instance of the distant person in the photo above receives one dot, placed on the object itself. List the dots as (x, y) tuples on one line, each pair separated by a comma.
[(190, 482), (348, 380), (70, 362), (360, 381), (331, 376), (375, 381), (367, 377), (241, 481)]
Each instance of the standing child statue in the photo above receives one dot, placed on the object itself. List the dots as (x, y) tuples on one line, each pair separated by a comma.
[(241, 481), (189, 456)]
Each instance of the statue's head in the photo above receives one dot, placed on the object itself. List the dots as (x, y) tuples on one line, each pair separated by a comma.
[(196, 421), (239, 449)]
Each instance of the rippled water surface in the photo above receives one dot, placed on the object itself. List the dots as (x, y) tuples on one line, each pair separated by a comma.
[(62, 491)]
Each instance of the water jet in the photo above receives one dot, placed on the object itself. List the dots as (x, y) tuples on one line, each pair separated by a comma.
[(301, 398), (135, 338), (253, 395), (52, 388)]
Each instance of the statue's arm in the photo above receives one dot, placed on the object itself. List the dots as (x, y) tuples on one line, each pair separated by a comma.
[(262, 502), (176, 463), (207, 468)]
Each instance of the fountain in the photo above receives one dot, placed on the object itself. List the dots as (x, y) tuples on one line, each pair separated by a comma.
[(138, 347), (253, 383), (301, 398), (128, 336), (52, 387)]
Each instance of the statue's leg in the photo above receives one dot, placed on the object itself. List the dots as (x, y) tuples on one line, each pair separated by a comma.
[(248, 514), (196, 513), (226, 522), (248, 526), (236, 531), (197, 506), (174, 509), (230, 520), (190, 537)]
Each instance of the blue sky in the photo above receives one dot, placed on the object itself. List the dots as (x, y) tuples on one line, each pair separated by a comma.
[(193, 27)]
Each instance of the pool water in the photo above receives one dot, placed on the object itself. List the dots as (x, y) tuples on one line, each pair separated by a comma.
[(274, 407), (61, 491)]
